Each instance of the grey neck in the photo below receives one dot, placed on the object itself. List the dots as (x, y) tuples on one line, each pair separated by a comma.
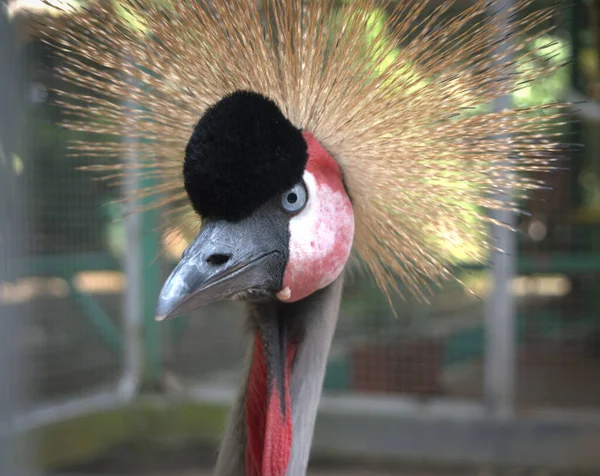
[(317, 315)]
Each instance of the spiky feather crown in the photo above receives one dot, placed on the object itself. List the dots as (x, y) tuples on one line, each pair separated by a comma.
[(389, 96)]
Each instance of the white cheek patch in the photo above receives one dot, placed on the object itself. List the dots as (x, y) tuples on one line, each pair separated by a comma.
[(320, 239), (311, 237)]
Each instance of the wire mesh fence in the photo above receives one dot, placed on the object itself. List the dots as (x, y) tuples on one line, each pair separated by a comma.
[(559, 314), (65, 281)]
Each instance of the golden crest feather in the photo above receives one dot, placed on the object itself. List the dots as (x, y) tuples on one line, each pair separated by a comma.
[(389, 90)]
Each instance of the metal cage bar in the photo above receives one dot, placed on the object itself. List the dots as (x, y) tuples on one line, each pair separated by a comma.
[(12, 358)]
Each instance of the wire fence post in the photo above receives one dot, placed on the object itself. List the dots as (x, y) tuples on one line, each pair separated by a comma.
[(142, 268), (500, 319), (12, 234), (150, 249)]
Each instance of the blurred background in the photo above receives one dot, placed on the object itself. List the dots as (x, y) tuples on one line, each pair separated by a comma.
[(501, 380)]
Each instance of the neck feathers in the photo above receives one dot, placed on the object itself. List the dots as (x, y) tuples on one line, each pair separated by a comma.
[(310, 324)]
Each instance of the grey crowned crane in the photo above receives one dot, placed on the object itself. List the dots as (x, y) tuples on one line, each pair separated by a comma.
[(298, 131)]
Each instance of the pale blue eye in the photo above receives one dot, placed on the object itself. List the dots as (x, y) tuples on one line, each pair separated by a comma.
[(295, 198)]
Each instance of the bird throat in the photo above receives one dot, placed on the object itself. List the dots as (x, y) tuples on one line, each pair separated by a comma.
[(268, 403)]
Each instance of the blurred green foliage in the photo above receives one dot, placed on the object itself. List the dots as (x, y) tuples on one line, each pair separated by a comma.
[(551, 88)]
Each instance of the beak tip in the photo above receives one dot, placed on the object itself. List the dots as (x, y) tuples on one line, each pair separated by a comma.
[(159, 318)]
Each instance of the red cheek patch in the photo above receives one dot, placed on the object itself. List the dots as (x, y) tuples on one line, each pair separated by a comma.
[(321, 235)]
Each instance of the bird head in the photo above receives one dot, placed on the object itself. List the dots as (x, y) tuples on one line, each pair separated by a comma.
[(277, 225), (277, 222)]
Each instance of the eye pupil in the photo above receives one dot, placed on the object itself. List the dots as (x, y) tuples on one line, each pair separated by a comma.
[(292, 198)]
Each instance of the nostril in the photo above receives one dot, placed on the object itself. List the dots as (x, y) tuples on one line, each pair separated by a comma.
[(218, 259)]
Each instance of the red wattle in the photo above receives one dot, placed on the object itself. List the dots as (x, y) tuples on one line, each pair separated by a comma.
[(269, 431)]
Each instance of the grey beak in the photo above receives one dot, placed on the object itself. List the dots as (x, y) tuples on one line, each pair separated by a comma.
[(224, 259)]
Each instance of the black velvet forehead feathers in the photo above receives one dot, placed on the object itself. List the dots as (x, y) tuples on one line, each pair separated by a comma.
[(242, 153)]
